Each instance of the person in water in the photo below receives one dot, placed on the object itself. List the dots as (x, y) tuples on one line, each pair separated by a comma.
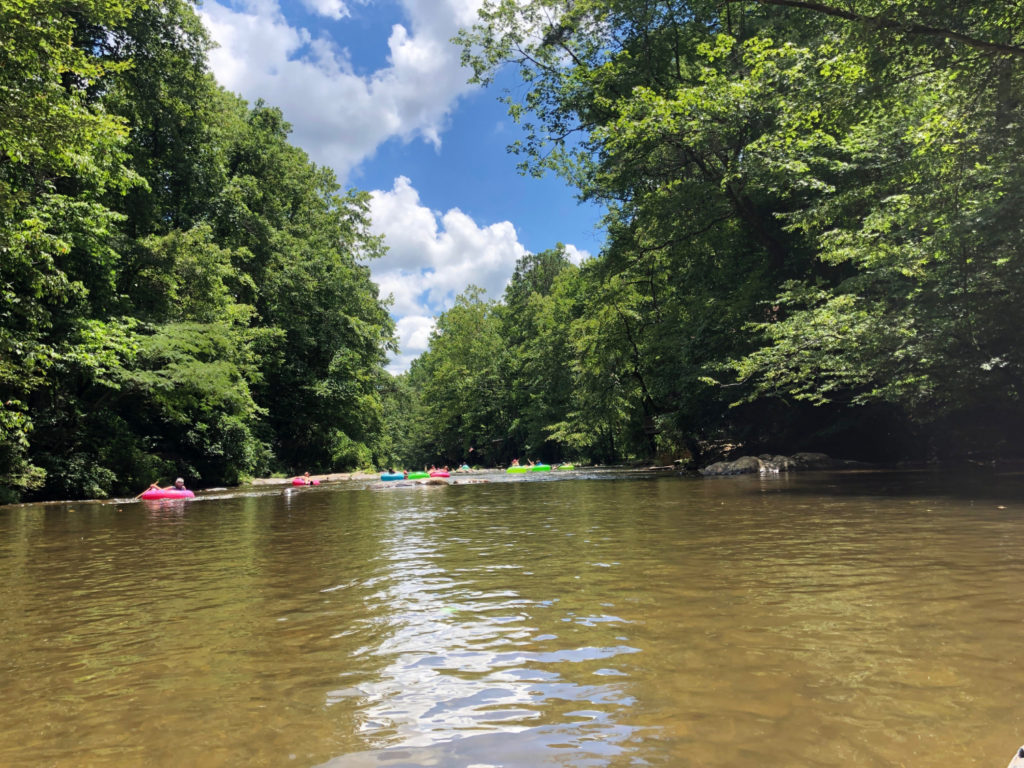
[(179, 485), (515, 462)]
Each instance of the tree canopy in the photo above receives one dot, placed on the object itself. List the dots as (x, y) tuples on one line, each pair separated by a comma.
[(813, 218), (181, 290)]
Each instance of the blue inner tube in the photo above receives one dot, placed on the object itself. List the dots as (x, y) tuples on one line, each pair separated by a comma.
[(391, 476)]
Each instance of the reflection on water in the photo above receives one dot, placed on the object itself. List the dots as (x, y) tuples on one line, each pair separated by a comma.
[(466, 653), (864, 619)]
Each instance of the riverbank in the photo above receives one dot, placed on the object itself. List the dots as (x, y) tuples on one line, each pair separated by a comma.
[(337, 477)]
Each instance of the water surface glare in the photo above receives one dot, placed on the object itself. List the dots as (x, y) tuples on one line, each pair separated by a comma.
[(862, 619)]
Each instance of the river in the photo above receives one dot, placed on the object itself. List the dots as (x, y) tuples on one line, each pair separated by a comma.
[(593, 619)]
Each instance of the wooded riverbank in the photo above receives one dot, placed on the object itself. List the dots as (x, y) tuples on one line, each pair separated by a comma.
[(815, 243)]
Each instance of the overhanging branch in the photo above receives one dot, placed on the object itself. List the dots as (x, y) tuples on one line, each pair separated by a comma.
[(884, 23)]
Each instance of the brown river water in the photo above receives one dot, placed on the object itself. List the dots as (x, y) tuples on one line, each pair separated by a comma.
[(592, 619)]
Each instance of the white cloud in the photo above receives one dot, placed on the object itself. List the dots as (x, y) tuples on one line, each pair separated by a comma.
[(340, 117), (433, 256), (332, 9), (413, 339), (576, 255)]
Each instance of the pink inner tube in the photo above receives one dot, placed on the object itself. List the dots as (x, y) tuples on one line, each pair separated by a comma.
[(439, 473), (160, 493), (302, 481)]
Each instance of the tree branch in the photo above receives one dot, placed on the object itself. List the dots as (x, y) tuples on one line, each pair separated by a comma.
[(884, 23)]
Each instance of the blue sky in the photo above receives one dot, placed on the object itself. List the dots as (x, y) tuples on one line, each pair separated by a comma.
[(373, 89)]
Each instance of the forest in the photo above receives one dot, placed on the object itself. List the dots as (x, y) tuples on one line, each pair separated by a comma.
[(182, 292), (813, 242), (814, 220)]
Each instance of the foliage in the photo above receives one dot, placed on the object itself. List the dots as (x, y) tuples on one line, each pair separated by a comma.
[(181, 290), (807, 204), (460, 386)]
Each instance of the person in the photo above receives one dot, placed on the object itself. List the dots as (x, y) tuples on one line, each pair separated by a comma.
[(515, 462), (179, 485), (307, 479), (405, 474)]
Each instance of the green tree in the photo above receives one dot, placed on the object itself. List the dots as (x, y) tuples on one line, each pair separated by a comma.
[(60, 152), (826, 197), (536, 331), (461, 385), (304, 245), (181, 290)]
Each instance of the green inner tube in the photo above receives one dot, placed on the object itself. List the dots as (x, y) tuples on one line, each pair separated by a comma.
[(567, 466), (540, 468), (515, 470), (418, 475)]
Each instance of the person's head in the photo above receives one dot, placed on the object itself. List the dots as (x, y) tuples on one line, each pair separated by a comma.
[(179, 483), (306, 475)]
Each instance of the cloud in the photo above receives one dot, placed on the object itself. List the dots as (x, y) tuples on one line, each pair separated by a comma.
[(576, 255), (413, 339), (340, 117), (332, 9), (433, 256)]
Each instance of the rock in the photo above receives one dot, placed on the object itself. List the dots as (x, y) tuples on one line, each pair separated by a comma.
[(813, 460), (770, 464), (742, 466), (775, 464)]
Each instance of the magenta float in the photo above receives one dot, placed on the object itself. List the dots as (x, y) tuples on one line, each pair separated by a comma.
[(161, 493)]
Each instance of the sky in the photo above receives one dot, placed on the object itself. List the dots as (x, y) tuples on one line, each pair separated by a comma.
[(374, 89)]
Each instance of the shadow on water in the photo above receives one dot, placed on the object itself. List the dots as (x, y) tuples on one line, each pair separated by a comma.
[(981, 486)]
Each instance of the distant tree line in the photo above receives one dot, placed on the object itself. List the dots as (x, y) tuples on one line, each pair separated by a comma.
[(182, 292), (815, 231)]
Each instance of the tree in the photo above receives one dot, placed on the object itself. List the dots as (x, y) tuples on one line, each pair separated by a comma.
[(823, 200), (536, 332), (59, 154), (181, 290), (461, 387)]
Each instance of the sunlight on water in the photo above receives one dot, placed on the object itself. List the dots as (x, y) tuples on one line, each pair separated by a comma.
[(464, 655), (601, 620)]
